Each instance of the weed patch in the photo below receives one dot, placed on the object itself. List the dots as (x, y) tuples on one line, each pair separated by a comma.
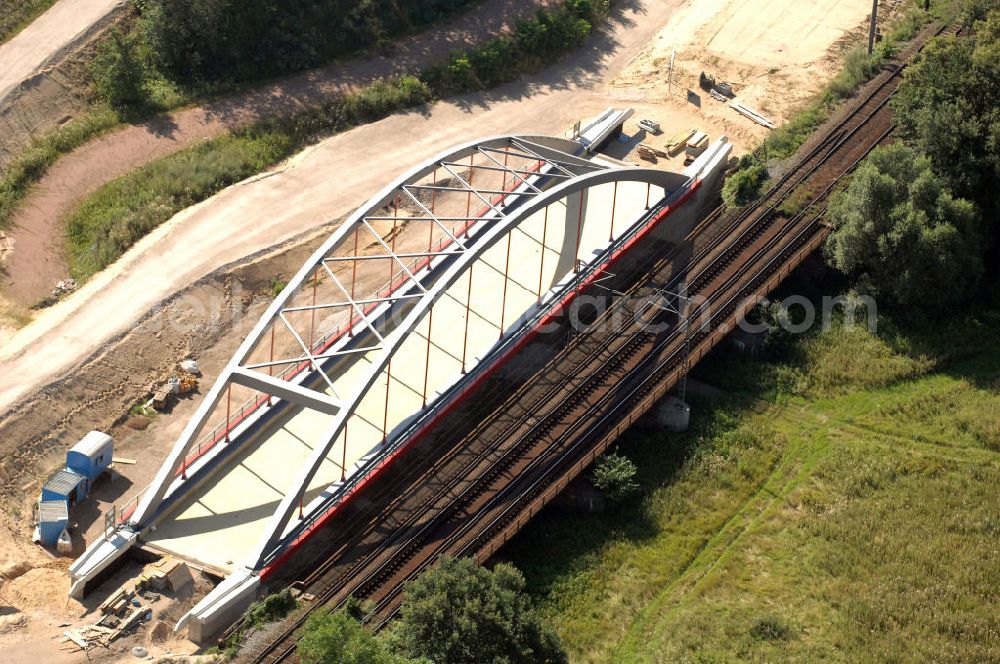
[(853, 515), (121, 212)]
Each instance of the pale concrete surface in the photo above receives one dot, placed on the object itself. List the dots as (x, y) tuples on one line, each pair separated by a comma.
[(31, 49), (37, 259), (220, 523), (774, 32), (325, 182)]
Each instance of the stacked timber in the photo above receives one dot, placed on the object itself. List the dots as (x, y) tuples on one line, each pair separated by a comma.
[(677, 143), (122, 611)]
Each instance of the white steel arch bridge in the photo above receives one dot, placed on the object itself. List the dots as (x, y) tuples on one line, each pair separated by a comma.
[(435, 280)]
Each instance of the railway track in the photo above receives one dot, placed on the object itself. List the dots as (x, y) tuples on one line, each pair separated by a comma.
[(540, 434), (568, 428)]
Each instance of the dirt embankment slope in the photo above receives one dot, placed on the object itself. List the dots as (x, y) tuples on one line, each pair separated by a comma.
[(36, 259), (333, 178), (39, 79)]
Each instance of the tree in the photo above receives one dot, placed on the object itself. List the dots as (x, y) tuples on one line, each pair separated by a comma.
[(338, 638), (461, 613), (190, 39), (614, 474), (948, 107), (118, 72), (899, 231)]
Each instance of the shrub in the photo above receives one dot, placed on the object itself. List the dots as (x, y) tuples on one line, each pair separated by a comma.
[(614, 474), (384, 96), (461, 613), (536, 41), (786, 139), (796, 201), (906, 26), (338, 638), (859, 67), (743, 186), (492, 61), (770, 628), (271, 608), (900, 232)]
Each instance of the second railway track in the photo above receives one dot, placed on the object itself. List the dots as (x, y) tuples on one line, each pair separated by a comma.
[(466, 500)]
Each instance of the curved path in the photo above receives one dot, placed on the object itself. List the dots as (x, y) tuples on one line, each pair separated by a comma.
[(38, 261), (323, 183)]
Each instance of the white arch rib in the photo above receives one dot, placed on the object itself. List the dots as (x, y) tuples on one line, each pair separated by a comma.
[(573, 175)]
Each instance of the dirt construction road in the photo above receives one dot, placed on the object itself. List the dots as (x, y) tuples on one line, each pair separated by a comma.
[(31, 49), (325, 182), (330, 180), (37, 261)]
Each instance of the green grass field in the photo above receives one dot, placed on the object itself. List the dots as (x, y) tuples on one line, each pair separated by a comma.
[(840, 504), (15, 15)]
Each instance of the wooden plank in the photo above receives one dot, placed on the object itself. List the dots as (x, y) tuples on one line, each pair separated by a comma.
[(655, 151), (123, 460), (675, 144), (76, 638)]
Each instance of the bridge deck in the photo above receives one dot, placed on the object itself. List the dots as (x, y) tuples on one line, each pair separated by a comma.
[(219, 522)]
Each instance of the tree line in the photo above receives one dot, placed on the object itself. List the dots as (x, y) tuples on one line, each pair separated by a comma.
[(918, 221), (205, 45), (212, 40)]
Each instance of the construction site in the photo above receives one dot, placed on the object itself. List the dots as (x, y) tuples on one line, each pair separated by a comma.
[(405, 341)]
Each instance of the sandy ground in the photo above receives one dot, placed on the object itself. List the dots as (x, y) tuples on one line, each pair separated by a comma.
[(30, 635), (35, 262), (775, 54), (270, 209), (616, 68), (98, 350), (47, 37)]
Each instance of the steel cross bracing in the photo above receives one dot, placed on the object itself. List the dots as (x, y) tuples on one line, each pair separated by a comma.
[(544, 171)]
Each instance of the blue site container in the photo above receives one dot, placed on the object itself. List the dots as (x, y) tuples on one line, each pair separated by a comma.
[(66, 485), (84, 463), (91, 456), (53, 517)]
